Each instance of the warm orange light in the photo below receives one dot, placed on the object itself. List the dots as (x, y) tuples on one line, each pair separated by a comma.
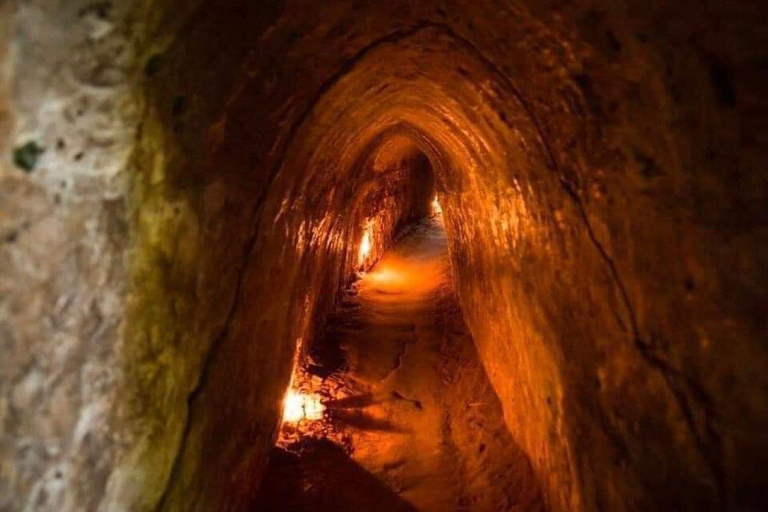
[(436, 208), (383, 275), (365, 244), (299, 406)]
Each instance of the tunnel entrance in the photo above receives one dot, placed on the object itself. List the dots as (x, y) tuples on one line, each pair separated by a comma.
[(391, 408)]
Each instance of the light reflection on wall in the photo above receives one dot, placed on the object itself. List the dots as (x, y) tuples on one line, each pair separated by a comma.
[(436, 208), (366, 244)]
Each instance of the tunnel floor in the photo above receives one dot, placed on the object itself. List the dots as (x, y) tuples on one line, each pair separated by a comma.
[(411, 421)]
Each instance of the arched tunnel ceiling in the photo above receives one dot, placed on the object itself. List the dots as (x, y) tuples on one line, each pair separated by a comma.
[(527, 131), (606, 259)]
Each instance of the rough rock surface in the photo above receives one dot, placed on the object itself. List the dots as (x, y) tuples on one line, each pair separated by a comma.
[(184, 186)]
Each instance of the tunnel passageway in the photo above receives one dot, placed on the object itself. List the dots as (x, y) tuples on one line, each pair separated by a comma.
[(412, 422), (185, 190)]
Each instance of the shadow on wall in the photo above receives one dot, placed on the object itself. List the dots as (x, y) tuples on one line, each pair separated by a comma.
[(321, 477)]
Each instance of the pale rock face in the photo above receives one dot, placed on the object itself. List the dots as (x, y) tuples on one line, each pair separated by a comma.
[(183, 187)]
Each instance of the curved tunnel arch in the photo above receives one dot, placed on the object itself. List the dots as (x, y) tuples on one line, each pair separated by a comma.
[(473, 136), (493, 164)]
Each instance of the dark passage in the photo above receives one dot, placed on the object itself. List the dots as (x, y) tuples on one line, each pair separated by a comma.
[(411, 420)]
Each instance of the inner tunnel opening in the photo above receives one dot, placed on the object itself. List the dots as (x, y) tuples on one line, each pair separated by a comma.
[(389, 407)]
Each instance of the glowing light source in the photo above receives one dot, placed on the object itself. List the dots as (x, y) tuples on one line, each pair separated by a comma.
[(436, 208), (299, 406), (365, 244)]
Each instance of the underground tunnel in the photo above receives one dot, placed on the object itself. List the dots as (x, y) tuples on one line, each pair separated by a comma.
[(487, 255)]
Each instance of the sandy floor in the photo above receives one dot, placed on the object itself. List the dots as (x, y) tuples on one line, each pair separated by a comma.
[(412, 422)]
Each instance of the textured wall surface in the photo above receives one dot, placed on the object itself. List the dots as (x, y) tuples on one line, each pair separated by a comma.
[(184, 187), (68, 117)]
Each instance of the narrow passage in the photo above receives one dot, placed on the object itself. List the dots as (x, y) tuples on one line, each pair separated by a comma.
[(411, 422)]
